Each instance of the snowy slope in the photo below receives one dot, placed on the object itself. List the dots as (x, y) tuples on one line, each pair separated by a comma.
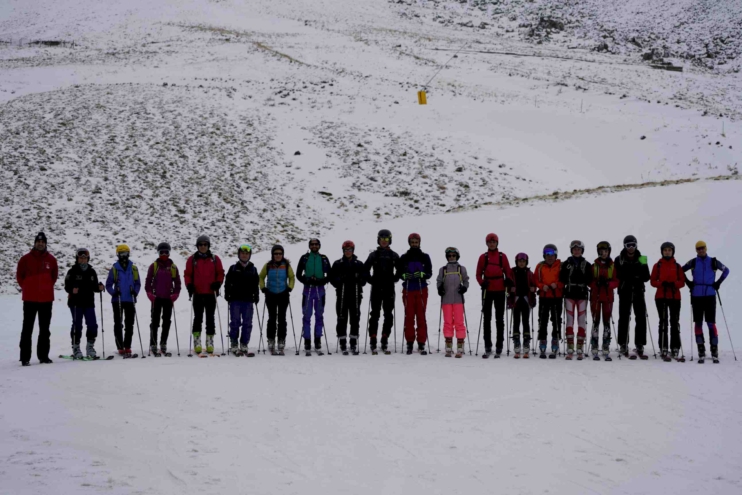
[(398, 424)]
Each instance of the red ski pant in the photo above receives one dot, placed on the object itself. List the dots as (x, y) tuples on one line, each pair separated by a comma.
[(576, 308), (415, 304)]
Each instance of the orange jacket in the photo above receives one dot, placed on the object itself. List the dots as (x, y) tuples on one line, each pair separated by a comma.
[(547, 275), (668, 278)]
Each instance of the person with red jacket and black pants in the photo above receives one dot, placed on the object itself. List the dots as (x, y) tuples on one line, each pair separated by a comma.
[(605, 281), (37, 272), (668, 278), (494, 277), (204, 276)]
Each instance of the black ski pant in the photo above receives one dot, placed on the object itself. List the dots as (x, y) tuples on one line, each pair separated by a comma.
[(30, 310), (498, 299), (381, 297), (160, 307), (348, 307), (204, 303), (521, 313), (277, 305), (669, 311), (625, 303), (123, 324), (550, 307)]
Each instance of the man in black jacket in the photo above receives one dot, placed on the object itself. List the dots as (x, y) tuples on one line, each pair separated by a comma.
[(242, 293), (632, 272), (81, 284), (347, 276), (384, 263)]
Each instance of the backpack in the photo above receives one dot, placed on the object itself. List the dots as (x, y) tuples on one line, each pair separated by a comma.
[(134, 269), (173, 270), (486, 263)]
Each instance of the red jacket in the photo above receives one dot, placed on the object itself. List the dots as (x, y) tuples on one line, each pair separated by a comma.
[(36, 274), (605, 281), (547, 275), (207, 271), (496, 273), (669, 278)]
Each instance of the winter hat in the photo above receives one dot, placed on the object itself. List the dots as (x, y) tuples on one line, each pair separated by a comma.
[(521, 256), (576, 244), (40, 237), (551, 249), (275, 248), (492, 237), (700, 244), (163, 246), (349, 244), (203, 239), (454, 251), (122, 248), (604, 245), (667, 245), (414, 235), (629, 239)]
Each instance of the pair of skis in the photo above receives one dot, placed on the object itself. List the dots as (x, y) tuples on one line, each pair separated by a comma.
[(84, 358)]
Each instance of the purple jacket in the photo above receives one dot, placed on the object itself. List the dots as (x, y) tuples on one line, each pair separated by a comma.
[(165, 282)]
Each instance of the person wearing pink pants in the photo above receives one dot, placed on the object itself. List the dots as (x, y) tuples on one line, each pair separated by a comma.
[(453, 282)]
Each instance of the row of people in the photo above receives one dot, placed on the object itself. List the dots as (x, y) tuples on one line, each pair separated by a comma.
[(561, 287)]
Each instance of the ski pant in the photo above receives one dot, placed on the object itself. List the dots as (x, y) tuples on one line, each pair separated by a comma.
[(123, 324), (381, 297), (415, 304), (625, 302), (671, 306), (498, 299), (549, 307), (605, 309), (704, 308), (313, 301), (240, 316), (204, 303), (576, 308), (30, 309), (90, 322), (348, 307), (453, 320), (521, 312), (162, 307), (277, 305)]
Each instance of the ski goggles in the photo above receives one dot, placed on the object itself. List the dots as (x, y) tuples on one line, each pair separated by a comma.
[(549, 252), (385, 239), (629, 245), (245, 247), (202, 244), (164, 251)]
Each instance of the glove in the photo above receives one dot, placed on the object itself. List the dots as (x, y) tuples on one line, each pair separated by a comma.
[(717, 284), (690, 284), (191, 289), (462, 289), (407, 276), (441, 291), (215, 286), (174, 297), (101, 287), (602, 281), (668, 285), (420, 275), (264, 290), (151, 297), (117, 291)]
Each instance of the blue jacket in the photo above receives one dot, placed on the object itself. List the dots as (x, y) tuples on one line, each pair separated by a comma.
[(704, 275), (125, 281)]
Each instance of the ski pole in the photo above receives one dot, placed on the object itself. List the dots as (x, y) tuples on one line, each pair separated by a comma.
[(151, 319), (368, 318), (425, 317), (440, 318), (136, 319), (322, 308), (260, 326), (190, 334), (340, 315), (725, 324), (533, 341), (229, 326), (175, 320), (479, 328), (102, 326), (466, 322), (649, 329), (507, 323), (394, 322), (121, 320), (219, 315), (291, 312), (562, 335)]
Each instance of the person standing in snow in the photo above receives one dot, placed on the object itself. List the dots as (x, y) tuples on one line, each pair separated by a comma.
[(521, 299), (416, 269), (204, 276), (162, 286), (668, 278), (382, 272), (550, 291), (242, 292), (703, 289), (36, 274), (605, 281), (81, 284), (494, 277), (276, 283), (123, 285), (347, 276), (314, 272), (576, 274), (452, 283), (632, 272)]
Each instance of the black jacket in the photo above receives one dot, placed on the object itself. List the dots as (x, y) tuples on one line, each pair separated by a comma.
[(87, 284), (631, 273), (242, 283), (348, 274), (576, 275), (385, 265)]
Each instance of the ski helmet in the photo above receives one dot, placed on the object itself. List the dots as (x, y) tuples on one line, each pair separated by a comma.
[(203, 239), (521, 256), (700, 244), (349, 245), (604, 245), (384, 234), (276, 247), (122, 248), (413, 236), (667, 245), (244, 248), (550, 249), (81, 251), (576, 244), (630, 239), (492, 237), (454, 251), (314, 239), (163, 246)]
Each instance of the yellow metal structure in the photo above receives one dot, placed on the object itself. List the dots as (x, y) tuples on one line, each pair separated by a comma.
[(422, 98)]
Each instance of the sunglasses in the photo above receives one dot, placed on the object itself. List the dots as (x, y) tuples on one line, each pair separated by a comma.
[(278, 253), (700, 249), (313, 244), (630, 245), (451, 256), (348, 249), (202, 244)]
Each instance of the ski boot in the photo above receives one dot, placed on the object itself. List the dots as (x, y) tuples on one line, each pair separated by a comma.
[(307, 346), (675, 353), (421, 349), (271, 346), (487, 352), (449, 347), (570, 352), (580, 352), (594, 350), (318, 346), (127, 354), (343, 346), (410, 345), (197, 342), (554, 349), (385, 345), (243, 350), (281, 347), (122, 351), (459, 348), (354, 345), (163, 350), (607, 350), (25, 363), (498, 352), (516, 352), (90, 349), (701, 357), (665, 355), (153, 350), (715, 354), (76, 352), (46, 360), (209, 344), (624, 350), (526, 349), (234, 347)]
